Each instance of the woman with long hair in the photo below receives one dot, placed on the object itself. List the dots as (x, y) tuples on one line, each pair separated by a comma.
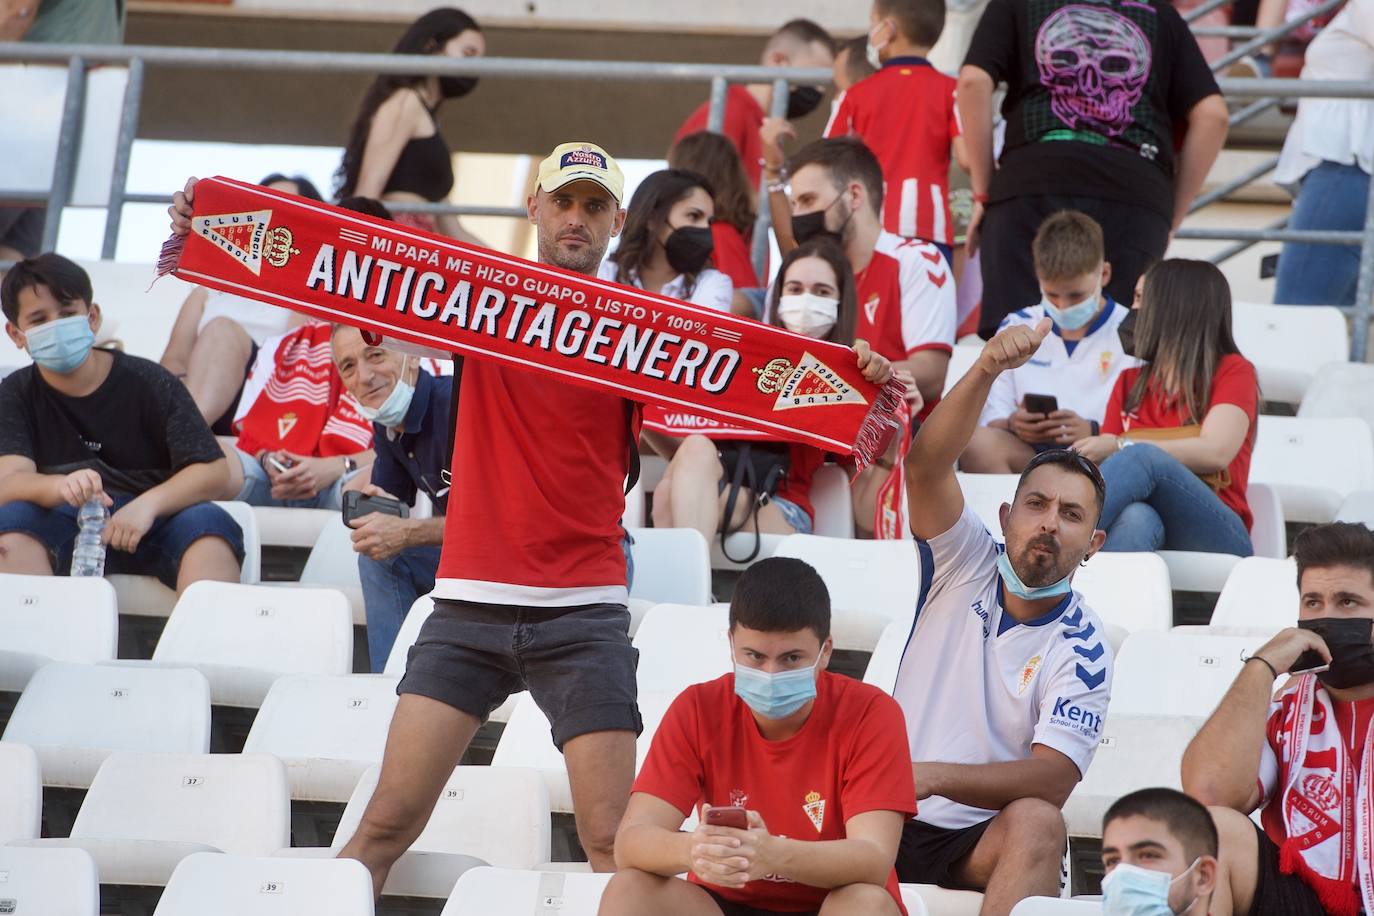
[(814, 295), (395, 151), (714, 158), (1176, 440), (666, 244)]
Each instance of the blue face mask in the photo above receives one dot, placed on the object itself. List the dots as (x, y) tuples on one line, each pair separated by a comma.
[(1134, 891), (61, 345), (393, 410), (777, 695), (1075, 316), (1012, 582)]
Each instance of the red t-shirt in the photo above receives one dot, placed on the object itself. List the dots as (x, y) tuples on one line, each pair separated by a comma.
[(850, 757), (732, 256), (538, 491), (803, 462), (743, 118), (1234, 383), (905, 113)]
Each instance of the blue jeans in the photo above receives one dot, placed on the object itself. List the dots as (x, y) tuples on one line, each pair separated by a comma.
[(390, 587), (1155, 503), (1332, 197), (257, 489)]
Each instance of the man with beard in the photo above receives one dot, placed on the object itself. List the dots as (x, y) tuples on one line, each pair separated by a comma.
[(1007, 673), (530, 592), (1301, 755)]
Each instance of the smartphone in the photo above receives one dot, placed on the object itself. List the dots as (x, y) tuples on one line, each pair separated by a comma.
[(280, 468), (730, 816), (356, 505), (1041, 403), (1310, 662)]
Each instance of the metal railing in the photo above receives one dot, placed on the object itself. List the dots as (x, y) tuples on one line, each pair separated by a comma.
[(77, 58)]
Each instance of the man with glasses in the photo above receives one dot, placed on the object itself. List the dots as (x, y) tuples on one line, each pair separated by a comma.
[(1007, 672), (409, 409)]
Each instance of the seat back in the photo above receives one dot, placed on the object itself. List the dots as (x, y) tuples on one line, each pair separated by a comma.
[(332, 561), (887, 655), (1054, 906), (1131, 590), (250, 573), (833, 502), (327, 729), (1313, 464), (1177, 674), (211, 884), (1260, 593), (405, 638), (237, 803), (985, 494), (672, 565), (1358, 507), (483, 891), (961, 360), (1268, 534), (1340, 390), (53, 881), (871, 583), (53, 617), (22, 813), (1288, 345), (497, 814), (75, 715), (681, 645), (1135, 752)]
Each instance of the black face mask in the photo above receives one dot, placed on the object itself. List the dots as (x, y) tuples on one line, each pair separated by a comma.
[(455, 87), (688, 248), (1352, 652), (1126, 331), (801, 101), (812, 225)]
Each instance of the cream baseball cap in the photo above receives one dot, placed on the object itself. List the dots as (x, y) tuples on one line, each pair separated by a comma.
[(581, 162)]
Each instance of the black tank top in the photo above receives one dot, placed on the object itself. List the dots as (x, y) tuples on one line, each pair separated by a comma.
[(425, 167)]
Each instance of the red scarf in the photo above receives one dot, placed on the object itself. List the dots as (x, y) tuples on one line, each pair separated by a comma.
[(425, 289), (303, 407)]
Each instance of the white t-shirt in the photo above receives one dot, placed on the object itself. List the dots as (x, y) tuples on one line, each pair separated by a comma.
[(977, 687), (1082, 380), (260, 320), (713, 289)]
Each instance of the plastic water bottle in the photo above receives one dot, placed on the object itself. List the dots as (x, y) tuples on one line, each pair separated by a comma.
[(88, 559)]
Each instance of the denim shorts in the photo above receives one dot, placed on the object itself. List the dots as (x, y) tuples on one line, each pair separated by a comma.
[(794, 514), (158, 554), (577, 663), (257, 489)]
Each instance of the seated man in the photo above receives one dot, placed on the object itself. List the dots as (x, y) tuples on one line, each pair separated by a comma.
[(84, 424), (409, 409), (818, 760), (1304, 755), (1006, 676), (1076, 366), (1160, 851)]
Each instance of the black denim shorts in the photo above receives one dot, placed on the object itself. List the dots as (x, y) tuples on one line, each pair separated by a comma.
[(577, 663)]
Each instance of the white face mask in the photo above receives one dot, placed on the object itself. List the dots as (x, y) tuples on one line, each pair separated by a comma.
[(809, 314)]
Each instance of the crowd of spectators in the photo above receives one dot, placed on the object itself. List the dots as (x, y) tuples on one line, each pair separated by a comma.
[(1130, 428)]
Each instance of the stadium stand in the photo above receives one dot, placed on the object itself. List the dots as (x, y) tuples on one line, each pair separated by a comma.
[(60, 882), (74, 716), (1313, 463), (1289, 346), (22, 778), (213, 884), (52, 618)]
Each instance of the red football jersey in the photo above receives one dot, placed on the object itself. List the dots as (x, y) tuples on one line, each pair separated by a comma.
[(850, 757), (743, 118), (538, 491), (905, 113), (906, 299)]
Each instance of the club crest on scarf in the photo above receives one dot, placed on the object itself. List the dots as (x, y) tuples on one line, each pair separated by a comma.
[(813, 384), (247, 238)]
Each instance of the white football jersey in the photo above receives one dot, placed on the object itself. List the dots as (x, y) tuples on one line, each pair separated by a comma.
[(978, 687)]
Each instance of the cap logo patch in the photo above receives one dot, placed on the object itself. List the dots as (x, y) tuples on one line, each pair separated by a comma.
[(582, 157)]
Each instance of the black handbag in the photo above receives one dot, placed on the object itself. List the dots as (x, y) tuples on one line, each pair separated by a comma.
[(761, 467)]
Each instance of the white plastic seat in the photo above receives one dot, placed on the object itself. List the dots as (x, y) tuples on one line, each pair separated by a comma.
[(741, 544), (1131, 590), (1178, 673), (146, 596), (327, 729), (871, 583), (145, 813), (1195, 571), (681, 645), (1358, 508), (939, 901), (887, 656), (484, 816), (243, 637), (1288, 344), (74, 716), (961, 360), (212, 884), (21, 816), (1340, 390), (1313, 464), (672, 565), (1268, 534), (334, 564), (1054, 906), (985, 494), (1135, 752), (47, 618), (283, 527), (405, 637), (1260, 594), (833, 502), (53, 882), (484, 891), (634, 515)]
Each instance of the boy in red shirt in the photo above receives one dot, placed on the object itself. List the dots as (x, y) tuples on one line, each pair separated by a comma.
[(905, 113), (820, 762)]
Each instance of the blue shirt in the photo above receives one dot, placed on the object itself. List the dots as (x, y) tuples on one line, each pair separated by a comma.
[(415, 460)]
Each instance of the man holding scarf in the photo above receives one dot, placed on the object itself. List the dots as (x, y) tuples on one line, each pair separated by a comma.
[(1303, 755)]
